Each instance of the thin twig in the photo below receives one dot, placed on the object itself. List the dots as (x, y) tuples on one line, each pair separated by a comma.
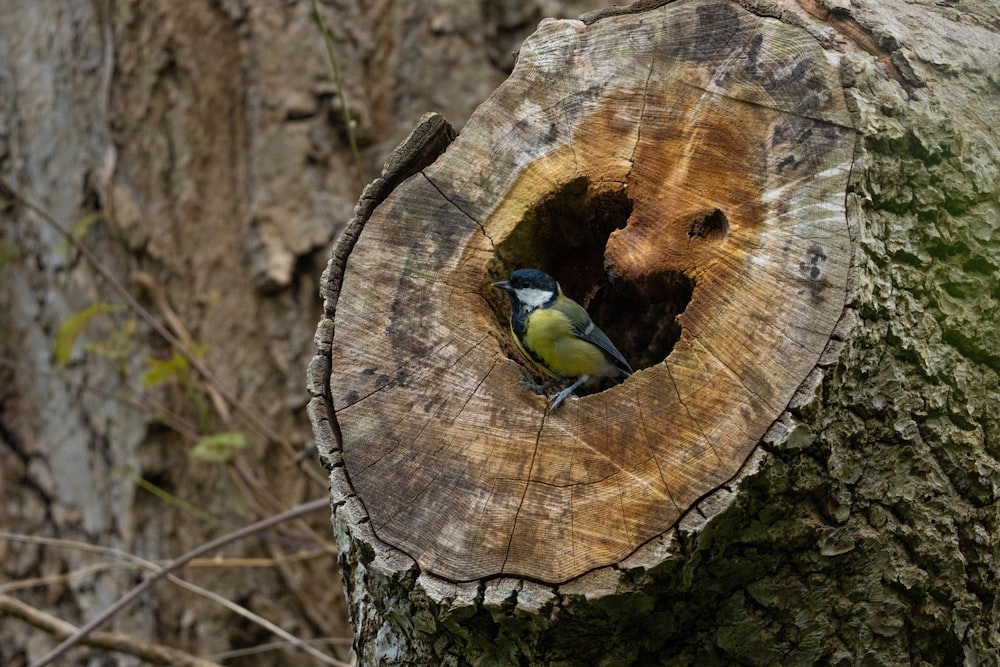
[(148, 283), (111, 641), (291, 639), (348, 121), (271, 646), (176, 564), (134, 561)]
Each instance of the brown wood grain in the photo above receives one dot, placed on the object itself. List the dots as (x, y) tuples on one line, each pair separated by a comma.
[(694, 158)]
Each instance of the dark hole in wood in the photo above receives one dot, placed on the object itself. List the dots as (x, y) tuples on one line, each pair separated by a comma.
[(711, 226)]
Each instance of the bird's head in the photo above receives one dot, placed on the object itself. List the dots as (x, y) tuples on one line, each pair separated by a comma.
[(529, 289)]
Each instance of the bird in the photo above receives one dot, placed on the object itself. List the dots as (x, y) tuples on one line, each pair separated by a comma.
[(557, 335)]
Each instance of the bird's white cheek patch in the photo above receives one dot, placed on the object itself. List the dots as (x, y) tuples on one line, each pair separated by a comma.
[(535, 298)]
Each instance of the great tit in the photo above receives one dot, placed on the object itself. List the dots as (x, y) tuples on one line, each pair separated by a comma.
[(557, 334)]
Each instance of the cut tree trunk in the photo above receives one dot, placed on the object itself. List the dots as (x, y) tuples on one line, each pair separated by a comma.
[(774, 213)]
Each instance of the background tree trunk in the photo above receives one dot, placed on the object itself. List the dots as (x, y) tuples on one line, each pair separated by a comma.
[(867, 530), (208, 140)]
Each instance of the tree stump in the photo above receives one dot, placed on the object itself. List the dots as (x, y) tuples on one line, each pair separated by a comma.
[(688, 188), (683, 169)]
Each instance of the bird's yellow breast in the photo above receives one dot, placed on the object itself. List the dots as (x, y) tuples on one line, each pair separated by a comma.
[(550, 343)]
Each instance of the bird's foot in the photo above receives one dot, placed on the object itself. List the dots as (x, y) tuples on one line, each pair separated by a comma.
[(561, 396), (537, 387)]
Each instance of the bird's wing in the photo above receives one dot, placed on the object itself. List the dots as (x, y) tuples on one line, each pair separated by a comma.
[(592, 334)]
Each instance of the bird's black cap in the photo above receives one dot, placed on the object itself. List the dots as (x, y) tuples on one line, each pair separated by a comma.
[(532, 279)]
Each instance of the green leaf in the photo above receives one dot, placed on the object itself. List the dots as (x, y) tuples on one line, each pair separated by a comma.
[(163, 371), (70, 330), (219, 447), (79, 230)]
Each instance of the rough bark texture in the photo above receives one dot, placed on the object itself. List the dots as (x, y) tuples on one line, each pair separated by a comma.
[(209, 138), (868, 529)]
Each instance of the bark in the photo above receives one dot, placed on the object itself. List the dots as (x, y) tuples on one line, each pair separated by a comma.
[(208, 140), (864, 526)]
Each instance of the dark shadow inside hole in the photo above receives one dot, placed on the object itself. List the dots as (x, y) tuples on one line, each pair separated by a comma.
[(565, 235), (641, 319)]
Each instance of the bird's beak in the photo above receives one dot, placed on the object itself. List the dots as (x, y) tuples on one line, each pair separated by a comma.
[(502, 284)]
